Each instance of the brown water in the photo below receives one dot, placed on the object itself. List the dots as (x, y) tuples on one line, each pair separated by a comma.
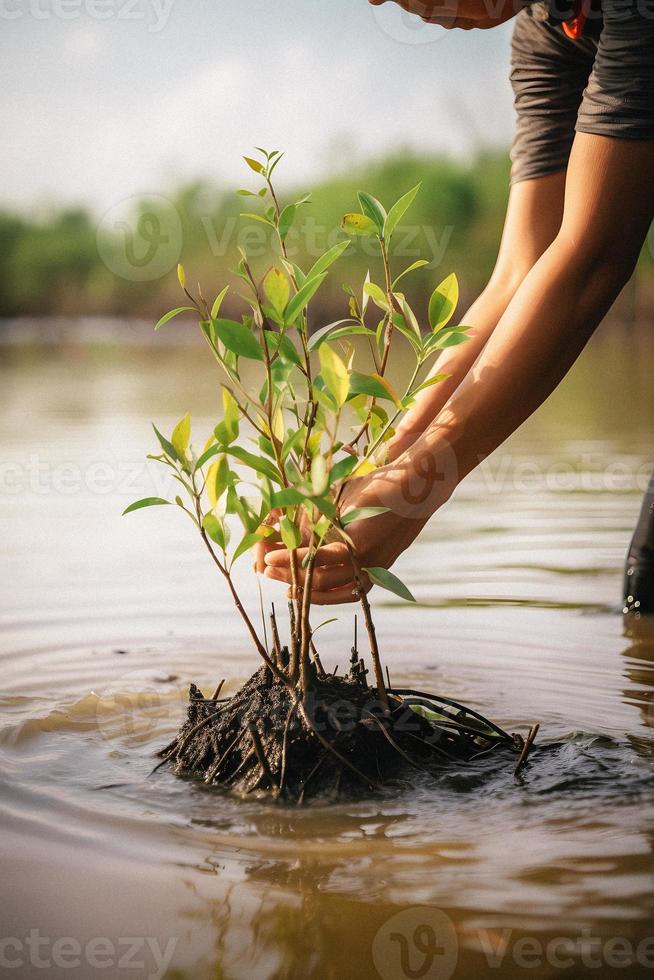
[(105, 620)]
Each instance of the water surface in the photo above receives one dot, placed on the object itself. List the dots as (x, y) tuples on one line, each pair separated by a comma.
[(105, 620)]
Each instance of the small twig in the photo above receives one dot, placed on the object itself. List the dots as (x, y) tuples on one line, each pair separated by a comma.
[(216, 693), (533, 732)]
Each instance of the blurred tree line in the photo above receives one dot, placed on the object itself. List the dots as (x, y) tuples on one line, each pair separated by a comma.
[(53, 265)]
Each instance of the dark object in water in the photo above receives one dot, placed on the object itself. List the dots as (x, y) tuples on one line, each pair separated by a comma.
[(639, 567), (341, 742)]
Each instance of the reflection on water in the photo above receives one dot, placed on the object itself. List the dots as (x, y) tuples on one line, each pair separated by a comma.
[(105, 621)]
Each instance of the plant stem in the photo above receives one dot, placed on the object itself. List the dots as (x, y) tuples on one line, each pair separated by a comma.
[(370, 629)]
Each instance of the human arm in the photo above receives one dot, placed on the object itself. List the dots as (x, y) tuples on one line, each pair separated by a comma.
[(609, 203)]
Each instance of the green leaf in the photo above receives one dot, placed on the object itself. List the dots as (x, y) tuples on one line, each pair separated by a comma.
[(172, 313), (398, 211), (218, 302), (288, 350), (145, 502), (291, 535), (373, 209), (377, 295), (254, 165), (214, 529), (342, 469), (324, 333), (207, 455), (277, 289), (327, 259), (289, 497), (362, 514), (373, 385), (414, 265), (443, 302), (428, 382), (258, 217), (286, 219), (400, 324), (181, 435), (181, 275), (359, 224), (302, 297), (256, 463), (237, 338), (335, 374), (167, 447), (386, 579), (227, 430), (319, 475), (246, 544)]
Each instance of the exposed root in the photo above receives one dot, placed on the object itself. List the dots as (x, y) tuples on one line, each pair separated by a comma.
[(341, 741)]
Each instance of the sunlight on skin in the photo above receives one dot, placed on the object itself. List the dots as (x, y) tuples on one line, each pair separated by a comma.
[(545, 327)]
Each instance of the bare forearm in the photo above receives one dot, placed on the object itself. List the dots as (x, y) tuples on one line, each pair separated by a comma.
[(540, 336), (482, 318)]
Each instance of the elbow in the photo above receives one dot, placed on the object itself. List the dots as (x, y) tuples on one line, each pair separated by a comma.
[(596, 272)]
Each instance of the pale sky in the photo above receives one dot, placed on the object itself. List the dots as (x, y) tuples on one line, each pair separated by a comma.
[(104, 99)]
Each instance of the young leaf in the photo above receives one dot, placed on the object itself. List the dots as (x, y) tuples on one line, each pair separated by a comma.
[(324, 333), (398, 211), (319, 475), (218, 476), (218, 302), (373, 209), (167, 447), (256, 463), (254, 165), (414, 265), (302, 297), (181, 275), (342, 469), (181, 435), (362, 514), (386, 579), (443, 302), (145, 502), (277, 290), (214, 529), (325, 260), (373, 385), (291, 535), (237, 338), (168, 316), (377, 295), (227, 430), (286, 219), (335, 374), (359, 224), (246, 544)]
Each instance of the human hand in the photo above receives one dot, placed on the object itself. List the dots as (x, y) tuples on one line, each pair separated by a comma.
[(377, 541), (464, 14)]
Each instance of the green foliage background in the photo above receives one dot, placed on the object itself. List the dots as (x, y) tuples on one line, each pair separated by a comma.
[(49, 265)]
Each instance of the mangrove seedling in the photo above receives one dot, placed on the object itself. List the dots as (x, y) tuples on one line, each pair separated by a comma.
[(304, 412)]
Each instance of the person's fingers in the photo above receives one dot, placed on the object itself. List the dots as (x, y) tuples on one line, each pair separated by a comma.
[(261, 550), (335, 597), (324, 578), (330, 554)]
